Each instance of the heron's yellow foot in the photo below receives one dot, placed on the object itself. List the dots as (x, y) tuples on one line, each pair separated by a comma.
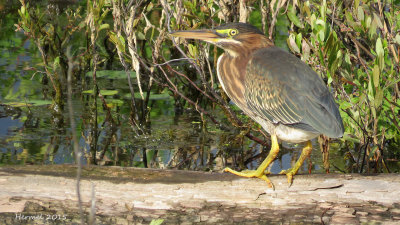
[(251, 173), (245, 173), (292, 171), (260, 172), (289, 174)]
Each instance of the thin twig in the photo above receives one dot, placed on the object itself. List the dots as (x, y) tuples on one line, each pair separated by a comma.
[(274, 16), (365, 155), (77, 152), (172, 60), (193, 84), (264, 14), (107, 109)]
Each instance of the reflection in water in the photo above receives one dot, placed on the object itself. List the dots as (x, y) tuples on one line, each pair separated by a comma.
[(176, 142)]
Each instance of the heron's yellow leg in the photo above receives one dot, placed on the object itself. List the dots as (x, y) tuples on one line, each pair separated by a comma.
[(292, 171), (260, 172)]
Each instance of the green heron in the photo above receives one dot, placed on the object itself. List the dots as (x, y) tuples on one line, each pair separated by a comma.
[(273, 87)]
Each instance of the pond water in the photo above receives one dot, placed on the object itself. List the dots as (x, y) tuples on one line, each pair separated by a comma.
[(31, 137)]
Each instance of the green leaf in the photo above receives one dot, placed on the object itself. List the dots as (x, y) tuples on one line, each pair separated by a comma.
[(397, 39), (330, 79), (88, 91), (36, 102), (368, 22), (378, 21), (292, 44), (356, 3), (362, 98), (161, 96), (313, 22), (321, 35), (298, 40), (323, 9), (376, 73), (345, 105), (23, 10), (350, 137), (378, 98), (360, 13), (108, 92), (330, 45), (370, 91), (305, 50), (295, 20), (379, 48), (380, 52), (39, 102), (306, 8), (102, 92), (16, 104), (111, 102), (111, 74), (56, 62), (372, 29), (347, 58), (118, 41), (149, 7), (320, 22), (189, 5), (193, 50), (157, 222), (104, 26), (336, 62), (140, 36), (373, 110)]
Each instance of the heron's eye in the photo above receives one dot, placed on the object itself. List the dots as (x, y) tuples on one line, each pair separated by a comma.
[(233, 32)]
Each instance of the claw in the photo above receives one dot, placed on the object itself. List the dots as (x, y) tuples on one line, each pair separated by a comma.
[(260, 172), (290, 178), (289, 174)]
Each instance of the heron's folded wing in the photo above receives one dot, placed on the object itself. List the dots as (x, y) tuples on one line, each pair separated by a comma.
[(283, 89)]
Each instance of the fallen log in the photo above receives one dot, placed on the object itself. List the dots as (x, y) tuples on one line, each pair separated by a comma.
[(47, 195)]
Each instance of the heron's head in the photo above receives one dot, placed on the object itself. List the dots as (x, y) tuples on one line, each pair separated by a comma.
[(234, 38)]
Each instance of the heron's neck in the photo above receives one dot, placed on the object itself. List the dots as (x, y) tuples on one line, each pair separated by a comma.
[(248, 44)]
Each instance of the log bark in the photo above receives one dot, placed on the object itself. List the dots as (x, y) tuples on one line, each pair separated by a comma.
[(47, 195)]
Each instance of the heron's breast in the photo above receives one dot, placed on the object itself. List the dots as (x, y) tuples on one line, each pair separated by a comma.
[(231, 73)]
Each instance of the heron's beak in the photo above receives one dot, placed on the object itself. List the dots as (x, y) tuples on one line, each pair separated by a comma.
[(205, 35)]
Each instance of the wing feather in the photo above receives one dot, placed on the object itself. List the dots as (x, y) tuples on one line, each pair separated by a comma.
[(282, 89)]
